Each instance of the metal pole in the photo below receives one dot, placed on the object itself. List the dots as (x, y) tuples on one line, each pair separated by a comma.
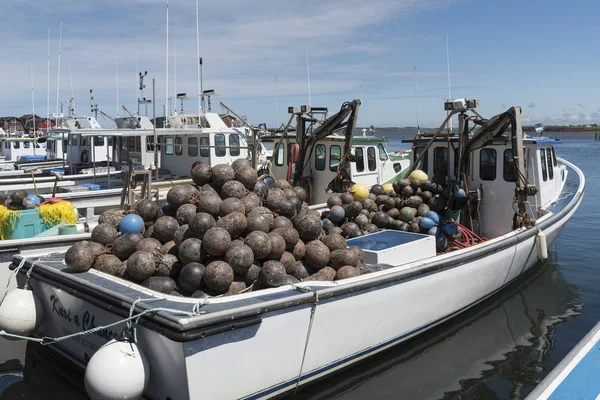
[(108, 162), (154, 128), (93, 139)]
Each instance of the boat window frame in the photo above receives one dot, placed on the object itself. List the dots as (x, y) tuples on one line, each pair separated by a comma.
[(84, 141), (382, 151), (360, 158), (492, 156), (445, 161), (178, 145), (205, 147), (371, 158), (26, 144), (192, 147), (16, 145), (234, 150), (220, 149), (505, 166), (550, 165), (74, 139), (318, 165), (542, 154), (169, 145), (555, 161), (96, 142), (278, 154), (332, 167), (424, 161)]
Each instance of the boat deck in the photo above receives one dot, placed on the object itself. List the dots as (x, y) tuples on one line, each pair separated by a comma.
[(577, 376)]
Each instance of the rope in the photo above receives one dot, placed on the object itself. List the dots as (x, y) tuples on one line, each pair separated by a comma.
[(561, 197), (310, 324), (12, 278)]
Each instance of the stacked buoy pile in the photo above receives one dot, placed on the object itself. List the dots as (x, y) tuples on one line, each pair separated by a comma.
[(230, 232)]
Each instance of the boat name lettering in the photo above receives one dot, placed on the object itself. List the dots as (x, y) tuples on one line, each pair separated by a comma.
[(87, 321)]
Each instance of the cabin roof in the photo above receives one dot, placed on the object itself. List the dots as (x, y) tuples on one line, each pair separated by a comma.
[(498, 140), (356, 139)]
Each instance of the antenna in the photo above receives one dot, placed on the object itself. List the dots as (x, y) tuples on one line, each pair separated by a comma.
[(199, 63), (137, 93), (308, 74), (167, 68), (58, 73), (48, 90), (32, 104), (175, 73), (417, 98), (117, 70), (449, 90), (277, 101), (72, 101)]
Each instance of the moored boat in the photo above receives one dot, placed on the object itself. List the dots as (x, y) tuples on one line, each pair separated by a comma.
[(313, 328)]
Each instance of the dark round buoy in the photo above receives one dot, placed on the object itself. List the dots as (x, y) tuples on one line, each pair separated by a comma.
[(272, 274), (335, 229), (218, 275), (353, 209), (235, 223), (200, 223), (235, 288), (181, 234), (277, 246), (300, 271), (327, 224), (190, 250), (339, 258), (230, 205), (282, 184), (240, 258), (300, 193), (268, 180), (185, 213), (289, 235), (169, 248), (233, 189), (369, 205), (149, 244), (201, 174), (28, 204), (240, 163), (288, 261), (209, 203), (309, 228), (79, 257), (247, 177), (258, 222), (261, 189), (104, 234), (345, 272), (147, 209), (423, 210), (336, 214), (371, 228), (216, 241), (346, 198), (361, 220), (125, 245), (297, 203), (407, 191), (141, 265), (281, 222), (18, 196), (168, 265), (317, 254), (260, 244), (251, 201), (221, 174), (181, 194), (377, 190), (299, 250), (325, 274), (351, 230), (96, 248), (290, 280), (108, 263), (252, 274), (334, 201), (380, 219), (393, 213), (360, 254), (162, 284), (166, 211), (333, 241), (164, 228), (190, 276)]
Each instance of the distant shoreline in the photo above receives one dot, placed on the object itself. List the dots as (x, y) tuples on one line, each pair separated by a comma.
[(411, 130)]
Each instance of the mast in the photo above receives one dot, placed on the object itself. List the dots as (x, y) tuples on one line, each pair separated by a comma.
[(137, 92), (32, 105), (167, 69), (199, 63), (72, 102), (276, 101), (175, 73), (117, 72), (58, 72), (449, 88), (48, 89), (308, 74), (417, 98)]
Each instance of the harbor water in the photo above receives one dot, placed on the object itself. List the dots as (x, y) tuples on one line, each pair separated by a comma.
[(499, 349)]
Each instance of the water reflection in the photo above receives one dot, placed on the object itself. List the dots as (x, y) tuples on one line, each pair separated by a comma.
[(494, 351)]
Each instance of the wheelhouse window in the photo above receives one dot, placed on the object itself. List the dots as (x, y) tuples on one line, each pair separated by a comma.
[(335, 155), (73, 139), (320, 156), (16, 145), (487, 164), (36, 145), (220, 149), (85, 141), (550, 166), (234, 144), (193, 146), (98, 141), (169, 149), (440, 163), (204, 147), (554, 156), (26, 145), (178, 145), (508, 171), (360, 159), (382, 154), (371, 162), (149, 144), (279, 154), (543, 161)]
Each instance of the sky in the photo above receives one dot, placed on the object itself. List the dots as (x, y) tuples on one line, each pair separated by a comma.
[(257, 56)]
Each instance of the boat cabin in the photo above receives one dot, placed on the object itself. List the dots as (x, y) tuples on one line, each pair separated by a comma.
[(373, 163), (492, 175), (15, 149)]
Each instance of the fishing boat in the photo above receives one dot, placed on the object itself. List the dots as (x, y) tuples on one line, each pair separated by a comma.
[(513, 193)]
